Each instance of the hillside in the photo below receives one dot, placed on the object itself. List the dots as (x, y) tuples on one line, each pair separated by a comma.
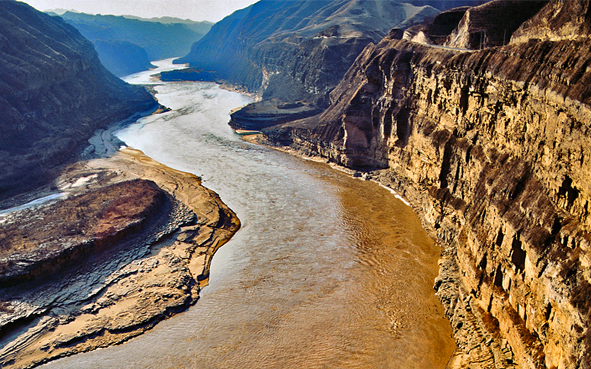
[(292, 51), (296, 49), (491, 146), (54, 94)]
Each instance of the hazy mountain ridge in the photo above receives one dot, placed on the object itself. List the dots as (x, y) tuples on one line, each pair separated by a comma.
[(159, 40), (54, 94)]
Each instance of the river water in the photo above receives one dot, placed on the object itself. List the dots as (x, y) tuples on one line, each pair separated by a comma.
[(327, 271)]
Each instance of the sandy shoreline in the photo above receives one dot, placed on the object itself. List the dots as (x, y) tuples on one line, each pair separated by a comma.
[(111, 306)]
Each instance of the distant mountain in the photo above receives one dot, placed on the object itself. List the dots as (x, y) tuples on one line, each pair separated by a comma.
[(119, 38), (296, 49), (121, 57), (54, 93), (292, 51), (200, 27)]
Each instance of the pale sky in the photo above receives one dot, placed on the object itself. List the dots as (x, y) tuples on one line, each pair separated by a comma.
[(210, 10)]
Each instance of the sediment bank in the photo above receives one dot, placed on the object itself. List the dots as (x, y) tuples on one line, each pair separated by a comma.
[(137, 262)]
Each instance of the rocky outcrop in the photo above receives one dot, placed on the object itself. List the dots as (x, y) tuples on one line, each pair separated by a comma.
[(557, 22), (492, 149), (492, 24), (475, 27), (35, 245), (54, 94), (127, 244), (268, 113)]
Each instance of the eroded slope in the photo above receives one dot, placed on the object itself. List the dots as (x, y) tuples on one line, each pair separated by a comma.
[(54, 94)]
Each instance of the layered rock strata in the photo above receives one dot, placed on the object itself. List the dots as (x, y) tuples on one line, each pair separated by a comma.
[(492, 149), (268, 113), (128, 244), (54, 94)]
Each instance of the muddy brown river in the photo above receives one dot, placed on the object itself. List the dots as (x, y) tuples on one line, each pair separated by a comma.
[(327, 271)]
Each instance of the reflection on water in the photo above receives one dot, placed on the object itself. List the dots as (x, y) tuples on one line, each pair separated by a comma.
[(327, 271)]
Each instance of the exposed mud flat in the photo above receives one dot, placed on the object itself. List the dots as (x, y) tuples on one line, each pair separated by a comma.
[(126, 244)]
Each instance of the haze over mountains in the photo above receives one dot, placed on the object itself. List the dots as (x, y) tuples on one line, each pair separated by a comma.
[(127, 46)]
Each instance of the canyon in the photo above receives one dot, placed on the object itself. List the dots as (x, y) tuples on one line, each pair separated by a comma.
[(126, 45), (480, 122), (490, 145), (54, 94), (294, 51)]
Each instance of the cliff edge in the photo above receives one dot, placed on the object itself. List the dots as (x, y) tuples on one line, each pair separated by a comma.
[(492, 148)]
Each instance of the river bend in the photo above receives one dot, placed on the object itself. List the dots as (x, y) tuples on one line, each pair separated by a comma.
[(327, 271)]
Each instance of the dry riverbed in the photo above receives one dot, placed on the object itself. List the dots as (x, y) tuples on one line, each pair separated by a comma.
[(126, 244)]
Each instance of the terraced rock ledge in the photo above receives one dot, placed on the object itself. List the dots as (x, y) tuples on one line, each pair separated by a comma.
[(126, 244)]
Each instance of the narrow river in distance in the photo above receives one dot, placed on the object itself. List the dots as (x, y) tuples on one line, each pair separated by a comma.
[(327, 271)]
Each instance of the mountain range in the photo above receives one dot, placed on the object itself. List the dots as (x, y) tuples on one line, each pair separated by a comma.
[(127, 45)]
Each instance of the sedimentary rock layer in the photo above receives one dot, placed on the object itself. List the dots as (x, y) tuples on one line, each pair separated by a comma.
[(492, 148), (128, 245)]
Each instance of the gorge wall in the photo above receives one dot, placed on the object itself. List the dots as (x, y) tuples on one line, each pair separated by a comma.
[(492, 148), (296, 50), (54, 94)]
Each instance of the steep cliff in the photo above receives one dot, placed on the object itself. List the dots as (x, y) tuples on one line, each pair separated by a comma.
[(492, 24), (492, 148), (54, 94)]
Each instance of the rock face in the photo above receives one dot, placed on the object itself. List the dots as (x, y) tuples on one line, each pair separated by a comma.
[(54, 94), (492, 148), (34, 243), (296, 50), (128, 244), (268, 113), (492, 24)]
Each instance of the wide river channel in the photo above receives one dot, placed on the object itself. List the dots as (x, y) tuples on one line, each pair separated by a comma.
[(327, 271)]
